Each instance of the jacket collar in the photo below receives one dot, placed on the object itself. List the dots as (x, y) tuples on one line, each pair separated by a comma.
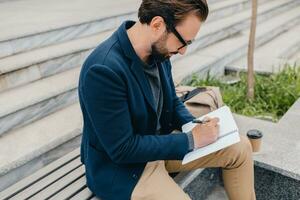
[(137, 64)]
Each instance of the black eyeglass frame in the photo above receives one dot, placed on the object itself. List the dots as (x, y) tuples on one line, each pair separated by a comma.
[(179, 37)]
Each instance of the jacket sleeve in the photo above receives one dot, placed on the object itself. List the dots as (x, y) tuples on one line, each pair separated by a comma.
[(181, 115), (105, 99)]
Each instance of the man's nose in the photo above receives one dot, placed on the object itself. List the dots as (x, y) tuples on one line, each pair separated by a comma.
[(182, 50)]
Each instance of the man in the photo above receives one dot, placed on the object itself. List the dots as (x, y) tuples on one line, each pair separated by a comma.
[(130, 108)]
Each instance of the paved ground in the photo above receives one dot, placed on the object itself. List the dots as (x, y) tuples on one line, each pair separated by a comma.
[(218, 194)]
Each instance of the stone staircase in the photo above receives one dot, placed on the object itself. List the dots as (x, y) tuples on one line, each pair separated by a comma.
[(43, 46), (228, 39), (269, 58)]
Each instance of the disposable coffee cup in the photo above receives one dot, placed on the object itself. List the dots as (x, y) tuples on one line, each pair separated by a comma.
[(255, 138)]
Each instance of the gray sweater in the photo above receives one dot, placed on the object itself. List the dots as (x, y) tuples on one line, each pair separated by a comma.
[(152, 73)]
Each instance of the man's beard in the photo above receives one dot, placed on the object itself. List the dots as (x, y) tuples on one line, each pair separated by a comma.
[(159, 52)]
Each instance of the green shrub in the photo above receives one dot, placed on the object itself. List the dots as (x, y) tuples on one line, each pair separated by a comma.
[(274, 94)]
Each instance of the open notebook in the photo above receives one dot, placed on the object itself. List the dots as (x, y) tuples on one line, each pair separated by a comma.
[(228, 134)]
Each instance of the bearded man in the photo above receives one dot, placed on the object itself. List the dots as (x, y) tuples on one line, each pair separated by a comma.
[(130, 110)]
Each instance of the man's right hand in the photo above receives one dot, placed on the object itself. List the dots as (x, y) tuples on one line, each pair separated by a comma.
[(206, 133)]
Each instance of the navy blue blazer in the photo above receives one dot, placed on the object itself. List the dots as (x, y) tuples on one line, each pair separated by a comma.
[(120, 118)]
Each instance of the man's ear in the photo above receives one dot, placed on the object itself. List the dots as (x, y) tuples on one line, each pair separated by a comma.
[(158, 26)]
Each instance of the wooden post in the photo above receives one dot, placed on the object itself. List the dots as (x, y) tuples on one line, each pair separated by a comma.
[(251, 47)]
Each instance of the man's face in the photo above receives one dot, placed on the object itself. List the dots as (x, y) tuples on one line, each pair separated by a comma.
[(167, 44)]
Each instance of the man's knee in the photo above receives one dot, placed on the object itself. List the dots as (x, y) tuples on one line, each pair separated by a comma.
[(238, 153)]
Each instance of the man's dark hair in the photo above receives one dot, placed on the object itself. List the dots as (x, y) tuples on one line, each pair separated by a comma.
[(172, 11)]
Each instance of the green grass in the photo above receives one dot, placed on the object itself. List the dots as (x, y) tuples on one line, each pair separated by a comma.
[(274, 94)]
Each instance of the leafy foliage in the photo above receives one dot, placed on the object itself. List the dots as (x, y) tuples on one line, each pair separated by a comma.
[(274, 94)]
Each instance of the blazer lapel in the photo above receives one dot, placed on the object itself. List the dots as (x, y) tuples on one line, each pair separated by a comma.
[(144, 84), (164, 83), (135, 67)]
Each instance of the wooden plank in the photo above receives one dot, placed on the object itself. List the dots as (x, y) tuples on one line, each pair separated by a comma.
[(84, 194), (60, 184), (40, 174), (95, 198), (71, 189), (48, 180)]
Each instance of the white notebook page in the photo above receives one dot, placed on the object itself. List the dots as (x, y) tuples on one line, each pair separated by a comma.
[(228, 134)]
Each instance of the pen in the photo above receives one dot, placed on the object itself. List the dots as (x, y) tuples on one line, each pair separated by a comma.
[(199, 121)]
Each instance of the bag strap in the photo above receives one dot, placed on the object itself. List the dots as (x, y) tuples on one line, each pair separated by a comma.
[(192, 93), (217, 96)]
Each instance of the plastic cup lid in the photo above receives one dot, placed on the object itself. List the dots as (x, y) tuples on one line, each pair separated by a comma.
[(254, 134)]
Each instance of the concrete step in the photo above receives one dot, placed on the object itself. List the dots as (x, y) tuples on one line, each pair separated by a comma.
[(31, 24), (25, 144), (43, 28), (26, 67), (223, 28), (214, 58), (47, 61), (292, 116), (272, 56), (278, 153), (33, 101), (295, 58), (222, 9)]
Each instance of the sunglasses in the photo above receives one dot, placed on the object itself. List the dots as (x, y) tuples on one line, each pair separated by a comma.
[(179, 37)]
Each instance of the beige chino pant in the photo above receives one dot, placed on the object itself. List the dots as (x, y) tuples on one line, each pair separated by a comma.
[(237, 171)]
